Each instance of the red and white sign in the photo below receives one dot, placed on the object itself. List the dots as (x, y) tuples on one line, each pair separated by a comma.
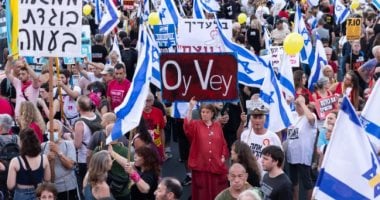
[(206, 76), (324, 106), (278, 52)]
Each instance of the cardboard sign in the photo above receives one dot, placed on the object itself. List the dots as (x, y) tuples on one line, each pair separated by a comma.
[(165, 35), (201, 35), (203, 75), (129, 4), (278, 52), (324, 106), (353, 28), (50, 28)]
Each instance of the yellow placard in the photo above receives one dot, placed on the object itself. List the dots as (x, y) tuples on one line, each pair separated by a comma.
[(353, 28)]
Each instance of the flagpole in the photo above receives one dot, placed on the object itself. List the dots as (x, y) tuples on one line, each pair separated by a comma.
[(51, 123)]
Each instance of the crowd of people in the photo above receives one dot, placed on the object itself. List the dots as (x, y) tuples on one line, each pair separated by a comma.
[(226, 149)]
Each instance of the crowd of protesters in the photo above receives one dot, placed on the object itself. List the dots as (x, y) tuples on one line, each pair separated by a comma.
[(226, 149)]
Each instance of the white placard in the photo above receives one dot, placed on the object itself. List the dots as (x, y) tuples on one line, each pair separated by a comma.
[(50, 28), (201, 35), (278, 52)]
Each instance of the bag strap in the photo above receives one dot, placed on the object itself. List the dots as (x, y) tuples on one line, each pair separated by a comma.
[(29, 169)]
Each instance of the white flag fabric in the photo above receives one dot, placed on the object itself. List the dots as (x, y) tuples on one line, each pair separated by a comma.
[(198, 10), (179, 110), (251, 68), (128, 113), (115, 48), (286, 78), (300, 27), (350, 169), (313, 2), (341, 12), (155, 60), (110, 18), (168, 12), (280, 116), (370, 117), (320, 60)]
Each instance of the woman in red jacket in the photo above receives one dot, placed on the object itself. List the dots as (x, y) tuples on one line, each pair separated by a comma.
[(208, 153)]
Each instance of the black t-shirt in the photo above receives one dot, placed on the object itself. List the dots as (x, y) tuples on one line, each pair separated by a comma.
[(152, 180), (253, 37), (277, 188), (99, 53), (129, 58), (356, 61)]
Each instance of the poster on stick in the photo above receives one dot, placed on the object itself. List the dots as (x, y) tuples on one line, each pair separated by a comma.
[(50, 28), (206, 76), (326, 105)]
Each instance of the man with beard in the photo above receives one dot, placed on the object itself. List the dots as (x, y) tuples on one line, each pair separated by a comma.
[(26, 89), (117, 89)]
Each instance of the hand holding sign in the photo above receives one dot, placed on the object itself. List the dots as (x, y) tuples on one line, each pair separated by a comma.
[(192, 103)]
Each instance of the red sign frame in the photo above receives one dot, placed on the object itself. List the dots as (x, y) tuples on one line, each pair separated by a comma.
[(207, 76)]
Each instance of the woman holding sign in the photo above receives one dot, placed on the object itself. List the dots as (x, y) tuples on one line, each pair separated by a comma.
[(208, 153)]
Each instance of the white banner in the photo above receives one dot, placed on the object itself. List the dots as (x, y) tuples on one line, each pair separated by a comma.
[(201, 35), (50, 28), (278, 52)]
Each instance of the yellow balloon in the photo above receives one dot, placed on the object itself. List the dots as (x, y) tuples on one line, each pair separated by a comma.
[(293, 43), (242, 18), (87, 10), (354, 5), (153, 19)]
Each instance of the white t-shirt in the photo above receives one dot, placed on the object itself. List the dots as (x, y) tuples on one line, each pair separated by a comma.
[(301, 139), (258, 142), (69, 104)]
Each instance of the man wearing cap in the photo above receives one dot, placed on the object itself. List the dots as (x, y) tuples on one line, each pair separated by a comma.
[(279, 33), (107, 74), (256, 135)]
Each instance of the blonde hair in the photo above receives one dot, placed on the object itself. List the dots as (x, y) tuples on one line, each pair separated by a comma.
[(28, 114), (98, 167)]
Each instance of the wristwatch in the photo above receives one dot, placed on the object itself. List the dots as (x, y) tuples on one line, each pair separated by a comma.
[(60, 154)]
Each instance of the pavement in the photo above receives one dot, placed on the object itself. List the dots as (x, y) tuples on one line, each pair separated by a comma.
[(173, 168)]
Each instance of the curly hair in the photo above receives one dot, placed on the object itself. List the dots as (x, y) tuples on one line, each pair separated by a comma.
[(98, 167), (28, 114), (246, 158), (143, 132), (151, 162), (30, 145)]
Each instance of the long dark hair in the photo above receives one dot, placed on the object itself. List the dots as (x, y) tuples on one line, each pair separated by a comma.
[(143, 132), (246, 157), (297, 77), (30, 145), (151, 162)]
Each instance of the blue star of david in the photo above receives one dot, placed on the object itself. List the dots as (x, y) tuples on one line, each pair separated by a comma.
[(245, 66), (155, 53), (304, 32), (162, 13), (371, 175), (267, 98)]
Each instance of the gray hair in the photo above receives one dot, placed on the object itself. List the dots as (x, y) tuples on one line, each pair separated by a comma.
[(6, 122), (56, 121), (249, 194), (375, 49)]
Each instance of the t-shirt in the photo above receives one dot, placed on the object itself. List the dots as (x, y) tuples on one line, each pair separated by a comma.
[(65, 179), (356, 61), (99, 53), (279, 35), (152, 180), (155, 122), (30, 92), (301, 137), (277, 188), (69, 104), (226, 195), (6, 107), (258, 142), (117, 91)]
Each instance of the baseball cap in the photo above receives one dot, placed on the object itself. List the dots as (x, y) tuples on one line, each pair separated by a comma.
[(108, 70), (256, 107)]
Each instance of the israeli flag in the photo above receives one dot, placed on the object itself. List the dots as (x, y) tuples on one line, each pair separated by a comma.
[(286, 78), (251, 68), (341, 12), (179, 110), (115, 47), (350, 169), (319, 62), (155, 60), (110, 18), (98, 11), (370, 117), (300, 27), (313, 2), (128, 113), (198, 10), (168, 12), (280, 115)]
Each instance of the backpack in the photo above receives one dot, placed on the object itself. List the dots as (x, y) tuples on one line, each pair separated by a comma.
[(7, 152), (93, 125)]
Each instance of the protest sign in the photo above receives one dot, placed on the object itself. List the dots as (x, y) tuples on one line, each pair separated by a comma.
[(353, 28), (324, 106), (50, 28), (278, 52), (165, 35), (206, 76), (201, 35)]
